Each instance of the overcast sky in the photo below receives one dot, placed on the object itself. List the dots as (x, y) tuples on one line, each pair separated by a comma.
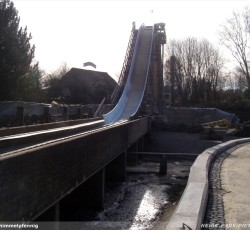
[(79, 31)]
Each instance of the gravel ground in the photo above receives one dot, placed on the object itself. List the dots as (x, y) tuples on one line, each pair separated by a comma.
[(143, 201)]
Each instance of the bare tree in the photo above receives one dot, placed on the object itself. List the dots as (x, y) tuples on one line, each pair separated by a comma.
[(193, 70), (240, 80), (234, 35), (52, 82)]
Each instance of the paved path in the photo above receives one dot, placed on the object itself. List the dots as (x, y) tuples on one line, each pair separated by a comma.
[(235, 178)]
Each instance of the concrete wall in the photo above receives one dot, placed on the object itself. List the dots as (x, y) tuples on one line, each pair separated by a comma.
[(190, 212), (195, 116), (33, 180), (18, 113)]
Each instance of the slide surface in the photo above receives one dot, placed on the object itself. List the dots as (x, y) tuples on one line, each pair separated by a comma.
[(133, 92)]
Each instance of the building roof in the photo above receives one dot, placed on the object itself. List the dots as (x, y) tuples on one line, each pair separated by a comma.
[(89, 85)]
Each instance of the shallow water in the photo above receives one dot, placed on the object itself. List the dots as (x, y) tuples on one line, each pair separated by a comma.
[(146, 200)]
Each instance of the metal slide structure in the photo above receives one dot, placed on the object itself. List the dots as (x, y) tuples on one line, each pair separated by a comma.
[(133, 93)]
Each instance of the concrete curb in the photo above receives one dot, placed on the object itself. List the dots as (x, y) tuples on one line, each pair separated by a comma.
[(189, 213)]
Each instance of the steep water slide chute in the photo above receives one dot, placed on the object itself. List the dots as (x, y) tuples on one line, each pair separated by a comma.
[(133, 92)]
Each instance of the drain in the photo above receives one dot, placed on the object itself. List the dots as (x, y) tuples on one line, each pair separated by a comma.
[(214, 216)]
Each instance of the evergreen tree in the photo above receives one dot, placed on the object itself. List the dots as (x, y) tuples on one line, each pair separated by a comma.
[(29, 86), (16, 52)]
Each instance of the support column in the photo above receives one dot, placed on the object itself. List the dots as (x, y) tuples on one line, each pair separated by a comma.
[(136, 147), (132, 159), (94, 190), (86, 198), (57, 216), (116, 170)]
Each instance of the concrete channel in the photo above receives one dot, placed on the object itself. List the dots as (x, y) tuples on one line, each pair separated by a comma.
[(191, 209)]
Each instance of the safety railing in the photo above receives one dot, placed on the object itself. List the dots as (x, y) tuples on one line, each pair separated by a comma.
[(126, 66)]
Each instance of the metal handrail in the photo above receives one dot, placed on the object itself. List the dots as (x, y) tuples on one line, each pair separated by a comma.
[(126, 65)]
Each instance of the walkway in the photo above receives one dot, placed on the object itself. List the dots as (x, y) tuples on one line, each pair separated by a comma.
[(235, 179), (228, 184)]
